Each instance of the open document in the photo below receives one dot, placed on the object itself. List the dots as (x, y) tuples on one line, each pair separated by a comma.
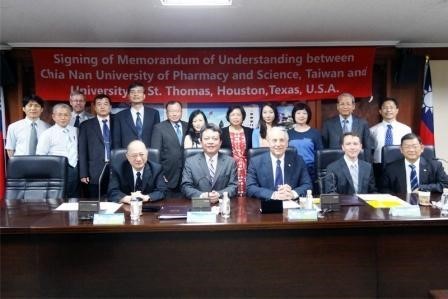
[(383, 200)]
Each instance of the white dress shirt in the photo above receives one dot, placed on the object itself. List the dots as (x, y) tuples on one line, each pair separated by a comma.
[(83, 116), (59, 141), (18, 135), (100, 121), (378, 133), (134, 114)]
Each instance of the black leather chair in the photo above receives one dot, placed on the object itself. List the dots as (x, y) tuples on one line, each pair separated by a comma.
[(36, 178), (118, 156), (253, 152), (392, 153), (189, 152)]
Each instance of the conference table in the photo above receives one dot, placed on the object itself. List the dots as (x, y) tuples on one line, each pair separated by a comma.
[(357, 252)]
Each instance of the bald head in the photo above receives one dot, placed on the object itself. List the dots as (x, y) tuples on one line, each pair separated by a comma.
[(278, 141), (137, 154)]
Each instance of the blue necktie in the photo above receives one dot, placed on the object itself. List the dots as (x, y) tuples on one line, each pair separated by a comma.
[(345, 126), (77, 121), (106, 139), (139, 126), (178, 133), (389, 139), (414, 180), (278, 175)]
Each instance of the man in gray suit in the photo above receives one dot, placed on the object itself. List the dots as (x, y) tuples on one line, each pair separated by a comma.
[(168, 138), (350, 175), (209, 174), (333, 128)]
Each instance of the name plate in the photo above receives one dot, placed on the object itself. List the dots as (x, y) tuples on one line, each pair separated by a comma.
[(108, 219), (302, 214), (201, 217), (411, 211)]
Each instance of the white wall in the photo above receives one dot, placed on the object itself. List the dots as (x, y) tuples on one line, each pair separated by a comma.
[(439, 76)]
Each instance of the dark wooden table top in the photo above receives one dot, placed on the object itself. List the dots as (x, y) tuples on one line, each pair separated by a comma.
[(40, 217)]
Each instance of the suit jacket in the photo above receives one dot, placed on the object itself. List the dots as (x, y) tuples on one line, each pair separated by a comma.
[(196, 176), (164, 138), (91, 148), (339, 180), (122, 181), (260, 175), (125, 131), (227, 142), (432, 177), (332, 132)]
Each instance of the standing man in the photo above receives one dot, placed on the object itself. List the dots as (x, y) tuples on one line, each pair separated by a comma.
[(137, 122), (95, 142), (210, 174), (387, 132), (413, 172), (23, 135), (62, 140), (350, 175), (78, 103), (168, 138), (277, 174), (333, 128), (138, 176)]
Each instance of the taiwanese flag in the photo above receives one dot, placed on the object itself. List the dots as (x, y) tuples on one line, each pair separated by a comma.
[(2, 148), (427, 120)]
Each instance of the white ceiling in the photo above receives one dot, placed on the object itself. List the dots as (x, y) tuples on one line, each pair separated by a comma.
[(145, 23)]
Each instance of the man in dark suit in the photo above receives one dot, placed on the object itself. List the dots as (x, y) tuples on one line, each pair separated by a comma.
[(137, 122), (209, 174), (413, 172), (168, 137), (333, 128), (137, 176), (350, 175), (277, 174), (94, 145)]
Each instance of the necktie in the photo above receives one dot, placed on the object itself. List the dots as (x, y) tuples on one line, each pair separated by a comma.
[(345, 126), (414, 180), (76, 124), (106, 139), (278, 175), (33, 139), (389, 139), (178, 132), (211, 169), (71, 149), (139, 126), (354, 174), (138, 182)]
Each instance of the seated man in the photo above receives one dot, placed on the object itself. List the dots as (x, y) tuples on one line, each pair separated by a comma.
[(137, 175), (277, 174), (210, 174), (413, 172), (349, 175)]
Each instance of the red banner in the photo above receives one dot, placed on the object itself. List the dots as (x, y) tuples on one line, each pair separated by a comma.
[(204, 75)]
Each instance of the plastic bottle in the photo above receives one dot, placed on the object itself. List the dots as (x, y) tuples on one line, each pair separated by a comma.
[(309, 200), (444, 202), (225, 209), (135, 208)]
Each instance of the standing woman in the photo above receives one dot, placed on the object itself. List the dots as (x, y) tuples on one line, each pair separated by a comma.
[(305, 139), (268, 119), (239, 140), (196, 122)]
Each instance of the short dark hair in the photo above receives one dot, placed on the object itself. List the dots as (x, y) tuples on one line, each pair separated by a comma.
[(135, 84), (301, 106), (353, 134), (32, 98), (388, 99), (172, 103), (410, 136), (100, 96), (212, 127), (234, 107)]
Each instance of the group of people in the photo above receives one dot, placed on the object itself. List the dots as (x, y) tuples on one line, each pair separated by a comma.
[(87, 140)]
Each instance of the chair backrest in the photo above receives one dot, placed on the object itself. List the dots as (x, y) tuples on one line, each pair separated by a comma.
[(392, 153), (118, 156), (324, 157), (36, 178), (189, 152), (253, 152)]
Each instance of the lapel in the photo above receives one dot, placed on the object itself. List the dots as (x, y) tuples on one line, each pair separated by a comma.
[(346, 172), (337, 129), (362, 171), (401, 175), (424, 171), (355, 124), (172, 132), (128, 175), (202, 164), (130, 122), (288, 169), (266, 163), (98, 130), (146, 175)]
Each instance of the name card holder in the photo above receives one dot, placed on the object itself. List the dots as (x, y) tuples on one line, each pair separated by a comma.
[(108, 219), (201, 217), (410, 212), (303, 214)]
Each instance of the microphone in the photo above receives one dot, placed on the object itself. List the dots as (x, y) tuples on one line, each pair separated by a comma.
[(100, 179)]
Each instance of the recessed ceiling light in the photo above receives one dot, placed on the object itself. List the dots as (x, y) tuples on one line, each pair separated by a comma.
[(196, 2)]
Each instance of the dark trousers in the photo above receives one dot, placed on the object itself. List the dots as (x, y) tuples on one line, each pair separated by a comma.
[(72, 190), (93, 189)]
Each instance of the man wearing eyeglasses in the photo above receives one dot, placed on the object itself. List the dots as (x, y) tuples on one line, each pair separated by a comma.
[(209, 174), (137, 176), (414, 172), (79, 113), (136, 122)]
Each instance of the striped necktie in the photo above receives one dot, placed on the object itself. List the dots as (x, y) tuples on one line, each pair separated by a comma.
[(413, 178), (139, 126), (211, 169), (389, 138)]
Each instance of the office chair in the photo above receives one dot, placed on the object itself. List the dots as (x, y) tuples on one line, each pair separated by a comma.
[(392, 153), (36, 178), (253, 152)]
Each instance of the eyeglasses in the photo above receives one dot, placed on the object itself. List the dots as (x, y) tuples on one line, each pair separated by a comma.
[(136, 155), (411, 146), (210, 138), (136, 92)]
